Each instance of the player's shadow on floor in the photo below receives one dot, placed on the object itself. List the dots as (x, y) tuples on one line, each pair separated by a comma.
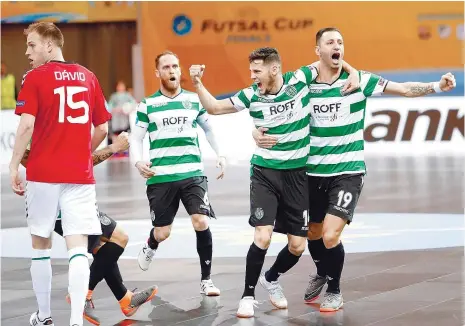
[(165, 313)]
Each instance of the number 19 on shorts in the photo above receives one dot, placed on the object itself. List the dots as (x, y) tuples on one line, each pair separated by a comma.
[(344, 196)]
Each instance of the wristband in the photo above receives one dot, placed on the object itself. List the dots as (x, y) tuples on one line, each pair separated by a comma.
[(436, 88)]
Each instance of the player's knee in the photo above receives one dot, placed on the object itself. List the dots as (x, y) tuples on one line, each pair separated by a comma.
[(162, 233), (315, 231), (199, 222), (119, 237), (41, 243), (297, 246), (262, 237), (331, 238)]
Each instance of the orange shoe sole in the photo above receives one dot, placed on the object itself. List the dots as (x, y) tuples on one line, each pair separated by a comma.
[(132, 311)]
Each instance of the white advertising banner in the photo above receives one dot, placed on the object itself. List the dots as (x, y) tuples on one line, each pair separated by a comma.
[(9, 123), (393, 126), (418, 126)]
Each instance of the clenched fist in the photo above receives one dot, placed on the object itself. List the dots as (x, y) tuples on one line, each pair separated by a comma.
[(196, 73), (447, 82)]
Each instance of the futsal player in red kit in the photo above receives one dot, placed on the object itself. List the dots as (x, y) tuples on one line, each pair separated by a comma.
[(58, 103)]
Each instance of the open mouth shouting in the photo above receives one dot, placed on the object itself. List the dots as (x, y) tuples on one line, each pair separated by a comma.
[(335, 57)]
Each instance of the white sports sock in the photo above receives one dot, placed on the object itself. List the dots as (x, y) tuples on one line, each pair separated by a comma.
[(41, 274), (78, 283)]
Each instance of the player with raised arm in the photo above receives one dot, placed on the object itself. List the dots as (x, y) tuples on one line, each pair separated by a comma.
[(336, 165), (59, 102), (175, 172), (278, 189)]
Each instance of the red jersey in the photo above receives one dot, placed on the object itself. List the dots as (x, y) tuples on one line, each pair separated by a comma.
[(65, 99)]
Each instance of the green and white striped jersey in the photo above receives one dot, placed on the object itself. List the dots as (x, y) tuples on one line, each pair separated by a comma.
[(174, 145), (336, 125), (286, 115)]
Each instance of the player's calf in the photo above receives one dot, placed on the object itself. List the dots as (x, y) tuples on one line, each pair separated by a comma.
[(146, 254), (317, 250)]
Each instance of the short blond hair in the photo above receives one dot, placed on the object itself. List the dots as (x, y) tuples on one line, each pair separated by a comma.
[(46, 30), (157, 59)]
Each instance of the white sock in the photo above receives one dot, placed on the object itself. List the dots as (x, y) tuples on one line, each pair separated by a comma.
[(41, 274), (78, 283)]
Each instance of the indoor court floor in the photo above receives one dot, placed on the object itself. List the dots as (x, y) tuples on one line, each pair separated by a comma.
[(403, 266)]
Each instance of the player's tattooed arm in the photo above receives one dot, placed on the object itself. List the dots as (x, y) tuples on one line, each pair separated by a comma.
[(409, 89), (97, 157), (414, 89), (419, 89), (120, 145), (102, 155)]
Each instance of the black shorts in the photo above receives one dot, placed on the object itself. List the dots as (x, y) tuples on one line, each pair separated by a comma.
[(279, 198), (108, 226), (164, 199), (336, 195)]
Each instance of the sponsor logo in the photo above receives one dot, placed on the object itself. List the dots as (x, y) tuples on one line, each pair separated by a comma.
[(174, 121), (441, 126), (265, 100), (182, 25), (326, 108), (280, 108), (20, 103), (343, 210), (444, 31), (424, 32)]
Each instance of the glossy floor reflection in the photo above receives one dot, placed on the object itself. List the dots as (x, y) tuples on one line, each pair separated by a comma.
[(387, 288), (391, 288)]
